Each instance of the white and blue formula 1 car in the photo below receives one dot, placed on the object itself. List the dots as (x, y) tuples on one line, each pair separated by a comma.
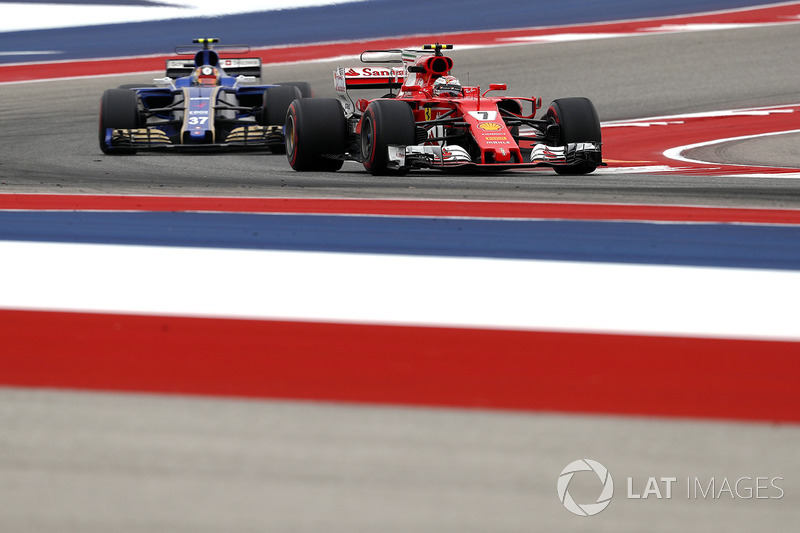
[(209, 102)]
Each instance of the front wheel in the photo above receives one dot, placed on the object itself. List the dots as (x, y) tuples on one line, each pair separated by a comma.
[(119, 109), (578, 123), (315, 130), (135, 86), (385, 123)]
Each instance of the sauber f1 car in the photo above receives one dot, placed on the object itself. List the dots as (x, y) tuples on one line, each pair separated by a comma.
[(432, 121), (207, 102)]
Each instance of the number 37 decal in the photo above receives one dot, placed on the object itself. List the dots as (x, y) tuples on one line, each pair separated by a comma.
[(197, 121)]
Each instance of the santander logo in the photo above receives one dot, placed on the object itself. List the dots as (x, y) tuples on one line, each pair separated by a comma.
[(373, 72)]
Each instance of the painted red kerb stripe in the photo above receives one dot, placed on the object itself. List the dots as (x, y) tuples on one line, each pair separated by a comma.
[(422, 366), (429, 208)]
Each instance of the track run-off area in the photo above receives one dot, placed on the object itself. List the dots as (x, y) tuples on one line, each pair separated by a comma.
[(214, 342)]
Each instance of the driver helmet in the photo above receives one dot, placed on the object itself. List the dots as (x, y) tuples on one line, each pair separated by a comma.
[(447, 86), (206, 75)]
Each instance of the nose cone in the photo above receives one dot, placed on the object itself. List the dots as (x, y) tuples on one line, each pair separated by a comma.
[(502, 155)]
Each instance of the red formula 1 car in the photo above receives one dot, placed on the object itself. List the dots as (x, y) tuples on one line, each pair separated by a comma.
[(432, 121)]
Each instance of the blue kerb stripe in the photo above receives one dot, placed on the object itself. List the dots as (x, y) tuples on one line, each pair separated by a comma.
[(374, 19), (722, 245)]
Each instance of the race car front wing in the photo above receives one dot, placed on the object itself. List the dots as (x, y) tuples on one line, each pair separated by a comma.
[(243, 137), (571, 154), (453, 156)]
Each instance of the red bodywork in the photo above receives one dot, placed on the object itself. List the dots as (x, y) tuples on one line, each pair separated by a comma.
[(491, 135), (467, 128)]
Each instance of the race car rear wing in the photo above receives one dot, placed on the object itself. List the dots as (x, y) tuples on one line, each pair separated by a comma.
[(349, 78), (233, 66), (370, 77), (381, 77)]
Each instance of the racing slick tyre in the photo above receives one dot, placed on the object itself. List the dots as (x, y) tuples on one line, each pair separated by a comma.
[(119, 109), (513, 106), (276, 103), (315, 127), (578, 123), (304, 86), (135, 86), (385, 122)]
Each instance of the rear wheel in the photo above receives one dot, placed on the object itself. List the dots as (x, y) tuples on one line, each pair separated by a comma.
[(119, 109), (304, 86), (578, 123), (315, 127), (276, 103), (385, 122)]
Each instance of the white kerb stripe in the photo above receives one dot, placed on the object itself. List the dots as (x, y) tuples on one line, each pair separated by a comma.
[(392, 289)]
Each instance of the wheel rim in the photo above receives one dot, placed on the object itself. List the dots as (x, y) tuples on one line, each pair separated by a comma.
[(367, 135), (289, 135)]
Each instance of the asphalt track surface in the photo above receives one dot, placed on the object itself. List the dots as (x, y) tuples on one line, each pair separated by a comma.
[(116, 462), (49, 134), (106, 462)]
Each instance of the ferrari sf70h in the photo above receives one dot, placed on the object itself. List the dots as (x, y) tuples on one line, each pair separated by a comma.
[(429, 119)]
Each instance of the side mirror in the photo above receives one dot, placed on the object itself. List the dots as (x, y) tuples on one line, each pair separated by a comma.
[(496, 87)]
